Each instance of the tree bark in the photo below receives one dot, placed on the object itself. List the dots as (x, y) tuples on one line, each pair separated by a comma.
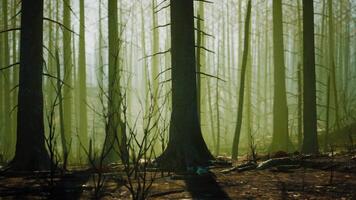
[(236, 140), (310, 141), (68, 74), (186, 147), (7, 95), (116, 128), (83, 118), (280, 138), (31, 153)]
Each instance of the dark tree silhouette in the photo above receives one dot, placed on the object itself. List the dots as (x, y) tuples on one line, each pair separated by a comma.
[(186, 146), (31, 153), (310, 142)]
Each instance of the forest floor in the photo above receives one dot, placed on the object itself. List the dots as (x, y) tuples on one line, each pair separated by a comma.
[(324, 177)]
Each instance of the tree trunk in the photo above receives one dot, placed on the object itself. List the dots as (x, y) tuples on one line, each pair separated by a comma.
[(236, 140), (15, 72), (280, 138), (83, 121), (300, 79), (2, 132), (68, 74), (6, 75), (31, 153), (333, 87), (116, 128), (310, 141), (186, 146)]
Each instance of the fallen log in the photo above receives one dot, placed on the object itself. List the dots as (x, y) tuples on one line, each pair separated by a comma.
[(277, 162), (241, 168)]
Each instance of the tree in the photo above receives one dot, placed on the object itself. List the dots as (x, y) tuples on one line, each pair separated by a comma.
[(310, 141), (6, 75), (186, 147), (31, 153), (2, 132), (280, 138), (67, 76), (300, 79), (155, 59), (334, 103), (83, 121), (15, 70), (116, 130), (236, 140)]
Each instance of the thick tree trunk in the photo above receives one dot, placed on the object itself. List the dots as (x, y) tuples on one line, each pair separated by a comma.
[(186, 146), (31, 153), (334, 102), (310, 141), (280, 138), (116, 129)]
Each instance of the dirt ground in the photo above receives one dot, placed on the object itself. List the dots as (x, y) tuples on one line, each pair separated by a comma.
[(327, 179)]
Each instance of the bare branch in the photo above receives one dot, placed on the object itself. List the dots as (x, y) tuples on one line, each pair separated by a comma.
[(61, 25), (10, 66), (11, 29), (158, 53), (212, 76)]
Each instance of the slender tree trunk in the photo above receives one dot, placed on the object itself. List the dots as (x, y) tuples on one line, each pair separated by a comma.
[(186, 147), (2, 96), (145, 81), (68, 74), (155, 64), (101, 46), (300, 79), (31, 153), (236, 140), (7, 84), (83, 118), (310, 141), (266, 59), (15, 72)]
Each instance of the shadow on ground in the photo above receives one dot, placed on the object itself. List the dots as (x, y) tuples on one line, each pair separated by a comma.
[(68, 186), (205, 187)]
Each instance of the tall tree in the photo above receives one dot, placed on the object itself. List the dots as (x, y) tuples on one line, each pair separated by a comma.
[(68, 73), (280, 138), (116, 129), (83, 119), (155, 59), (15, 70), (7, 84), (31, 153), (101, 46), (186, 147), (236, 140), (300, 77), (332, 68), (310, 141), (2, 132)]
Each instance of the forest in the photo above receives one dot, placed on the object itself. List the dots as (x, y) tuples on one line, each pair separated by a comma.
[(177, 99)]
